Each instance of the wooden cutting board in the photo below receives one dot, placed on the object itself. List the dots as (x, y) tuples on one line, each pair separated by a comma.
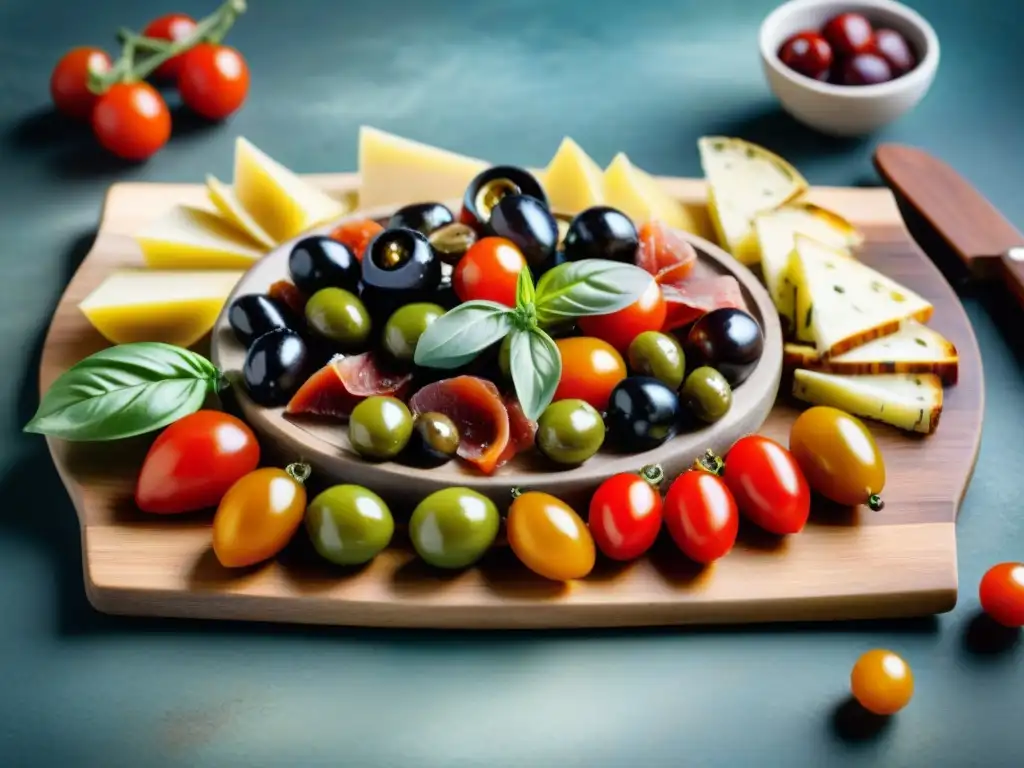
[(847, 564)]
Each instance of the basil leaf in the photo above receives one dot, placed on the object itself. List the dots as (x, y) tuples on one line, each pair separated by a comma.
[(125, 391), (589, 287), (460, 334), (525, 291), (536, 366)]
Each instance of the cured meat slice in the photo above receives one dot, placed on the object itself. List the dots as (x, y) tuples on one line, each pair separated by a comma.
[(664, 252), (339, 386), (688, 300), (522, 431)]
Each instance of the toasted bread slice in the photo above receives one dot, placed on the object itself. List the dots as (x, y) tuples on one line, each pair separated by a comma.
[(908, 401), (914, 348), (842, 303)]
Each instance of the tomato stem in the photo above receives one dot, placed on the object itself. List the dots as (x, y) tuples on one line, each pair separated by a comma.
[(515, 493), (653, 474), (299, 471), (709, 462), (875, 503)]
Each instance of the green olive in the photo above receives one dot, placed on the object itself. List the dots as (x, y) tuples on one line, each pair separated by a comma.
[(349, 524), (404, 328), (659, 355), (380, 427), (707, 394), (340, 316), (453, 527), (570, 431), (435, 440)]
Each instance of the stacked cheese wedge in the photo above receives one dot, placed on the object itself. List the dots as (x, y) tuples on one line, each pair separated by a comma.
[(195, 255), (858, 339)]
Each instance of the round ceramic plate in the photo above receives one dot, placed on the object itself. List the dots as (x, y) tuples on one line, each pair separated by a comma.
[(324, 444)]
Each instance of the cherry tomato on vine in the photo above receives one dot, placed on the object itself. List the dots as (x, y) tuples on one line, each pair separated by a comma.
[(214, 80), (882, 682), (1002, 594), (357, 235), (194, 462), (489, 270), (69, 81), (768, 485), (131, 120), (701, 516), (590, 370), (259, 515), (625, 515), (549, 537), (620, 328), (174, 27)]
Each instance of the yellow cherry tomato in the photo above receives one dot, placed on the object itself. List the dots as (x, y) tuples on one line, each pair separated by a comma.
[(549, 537), (838, 456), (882, 682), (259, 515)]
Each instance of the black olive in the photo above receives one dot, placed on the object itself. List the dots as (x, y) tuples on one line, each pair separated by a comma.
[(401, 260), (254, 314), (423, 217), (728, 340), (528, 223), (601, 233), (433, 442), (491, 185), (275, 367), (320, 262), (643, 413)]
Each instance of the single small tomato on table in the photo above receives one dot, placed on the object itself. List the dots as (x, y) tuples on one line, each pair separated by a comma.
[(768, 485), (1002, 594), (549, 537), (882, 682), (701, 515), (625, 513), (69, 82)]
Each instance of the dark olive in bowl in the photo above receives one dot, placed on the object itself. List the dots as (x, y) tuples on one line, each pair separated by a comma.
[(319, 261), (601, 232), (526, 222), (729, 340), (423, 217), (490, 186), (254, 314)]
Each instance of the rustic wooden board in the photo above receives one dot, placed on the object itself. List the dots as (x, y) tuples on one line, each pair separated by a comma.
[(847, 564)]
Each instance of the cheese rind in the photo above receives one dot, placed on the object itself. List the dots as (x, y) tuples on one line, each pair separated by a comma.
[(641, 196), (191, 238), (230, 207), (572, 180), (175, 307), (907, 401), (841, 303)]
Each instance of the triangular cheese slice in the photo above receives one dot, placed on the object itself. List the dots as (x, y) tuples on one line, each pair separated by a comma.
[(842, 303), (191, 238), (573, 181), (281, 203), (745, 180), (908, 401), (641, 196), (397, 171), (224, 199), (775, 230)]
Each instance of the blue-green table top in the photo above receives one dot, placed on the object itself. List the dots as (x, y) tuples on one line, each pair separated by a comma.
[(503, 81)]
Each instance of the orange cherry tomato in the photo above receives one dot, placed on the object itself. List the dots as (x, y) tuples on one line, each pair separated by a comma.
[(132, 120), (259, 515), (1002, 594), (69, 82), (701, 516), (356, 235), (882, 682), (214, 80), (590, 370), (489, 271), (174, 27), (620, 328), (549, 537)]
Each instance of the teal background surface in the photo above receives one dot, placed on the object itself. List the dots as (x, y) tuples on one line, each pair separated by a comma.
[(504, 81)]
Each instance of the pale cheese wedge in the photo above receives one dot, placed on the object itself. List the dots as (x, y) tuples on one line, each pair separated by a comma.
[(775, 230), (744, 180), (396, 171), (842, 303), (283, 204), (230, 207), (641, 197), (908, 401), (176, 307), (572, 181), (192, 238), (914, 348)]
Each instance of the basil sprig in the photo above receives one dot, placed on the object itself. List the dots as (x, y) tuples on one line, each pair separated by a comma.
[(570, 290), (125, 391)]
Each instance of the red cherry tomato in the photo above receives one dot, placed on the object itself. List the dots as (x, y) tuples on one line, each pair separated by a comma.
[(590, 370), (1002, 594), (701, 516), (69, 81), (174, 27), (768, 485), (620, 328), (357, 235), (132, 121), (625, 516), (213, 81), (194, 462), (489, 271)]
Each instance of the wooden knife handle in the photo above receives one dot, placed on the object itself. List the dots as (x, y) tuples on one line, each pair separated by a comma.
[(1012, 268)]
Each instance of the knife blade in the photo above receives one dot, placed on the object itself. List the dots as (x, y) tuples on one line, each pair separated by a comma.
[(985, 241)]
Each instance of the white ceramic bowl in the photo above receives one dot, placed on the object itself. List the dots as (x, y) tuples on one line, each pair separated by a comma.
[(845, 110)]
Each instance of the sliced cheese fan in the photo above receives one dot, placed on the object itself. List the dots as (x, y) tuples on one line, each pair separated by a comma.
[(641, 197), (908, 401), (230, 207), (572, 181), (841, 303), (192, 238)]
